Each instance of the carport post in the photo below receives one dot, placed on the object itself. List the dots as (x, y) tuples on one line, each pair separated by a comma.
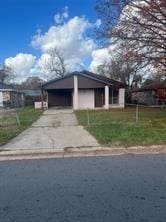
[(106, 97), (47, 98), (75, 96), (122, 97)]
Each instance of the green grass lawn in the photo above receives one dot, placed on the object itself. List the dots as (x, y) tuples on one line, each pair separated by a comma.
[(12, 123), (118, 127)]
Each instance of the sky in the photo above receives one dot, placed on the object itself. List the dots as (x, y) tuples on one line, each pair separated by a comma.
[(29, 28)]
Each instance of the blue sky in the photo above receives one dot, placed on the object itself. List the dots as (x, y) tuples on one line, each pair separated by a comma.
[(29, 28), (19, 20)]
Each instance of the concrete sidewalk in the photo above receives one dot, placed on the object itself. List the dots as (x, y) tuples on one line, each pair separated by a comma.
[(57, 130)]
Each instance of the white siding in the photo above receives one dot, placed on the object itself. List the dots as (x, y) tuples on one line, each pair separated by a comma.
[(106, 97), (75, 93), (122, 97), (86, 99), (1, 99)]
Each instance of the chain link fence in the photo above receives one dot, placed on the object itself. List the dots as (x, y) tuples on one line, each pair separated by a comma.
[(9, 118), (9, 125), (131, 114), (13, 121)]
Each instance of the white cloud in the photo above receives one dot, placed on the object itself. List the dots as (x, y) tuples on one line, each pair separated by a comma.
[(22, 65), (71, 64), (70, 38), (97, 24), (61, 17), (99, 56)]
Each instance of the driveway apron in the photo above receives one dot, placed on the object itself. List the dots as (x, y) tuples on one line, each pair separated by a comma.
[(55, 129)]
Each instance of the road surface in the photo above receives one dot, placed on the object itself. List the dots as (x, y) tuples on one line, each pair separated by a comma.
[(102, 189)]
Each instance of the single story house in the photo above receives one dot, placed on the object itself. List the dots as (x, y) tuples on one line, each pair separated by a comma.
[(153, 94), (32, 96), (9, 97), (84, 90)]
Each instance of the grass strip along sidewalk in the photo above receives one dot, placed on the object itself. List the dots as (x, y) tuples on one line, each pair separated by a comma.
[(14, 122), (118, 127)]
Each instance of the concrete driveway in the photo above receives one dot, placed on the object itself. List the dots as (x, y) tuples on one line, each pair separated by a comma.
[(56, 129)]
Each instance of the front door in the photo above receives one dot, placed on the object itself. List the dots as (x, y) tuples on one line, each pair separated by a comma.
[(99, 97)]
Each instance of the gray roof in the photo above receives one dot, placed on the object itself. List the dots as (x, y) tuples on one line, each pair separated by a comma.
[(153, 86), (32, 92), (5, 86)]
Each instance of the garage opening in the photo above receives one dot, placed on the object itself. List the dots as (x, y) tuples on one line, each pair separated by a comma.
[(60, 97)]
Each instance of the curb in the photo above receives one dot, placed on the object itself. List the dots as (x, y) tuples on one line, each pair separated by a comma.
[(79, 152)]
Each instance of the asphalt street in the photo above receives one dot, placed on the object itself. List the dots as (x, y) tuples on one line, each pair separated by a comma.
[(97, 189)]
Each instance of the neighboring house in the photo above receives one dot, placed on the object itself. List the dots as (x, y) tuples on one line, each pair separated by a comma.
[(153, 94), (84, 90), (32, 96), (9, 97)]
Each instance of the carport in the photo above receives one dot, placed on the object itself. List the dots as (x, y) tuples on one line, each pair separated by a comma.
[(84, 90), (59, 97), (59, 92)]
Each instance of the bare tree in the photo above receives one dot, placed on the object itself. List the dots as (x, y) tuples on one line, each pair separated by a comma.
[(140, 25), (125, 71), (30, 83), (54, 65), (109, 12), (120, 70)]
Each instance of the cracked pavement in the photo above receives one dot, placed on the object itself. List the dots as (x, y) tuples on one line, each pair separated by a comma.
[(55, 129)]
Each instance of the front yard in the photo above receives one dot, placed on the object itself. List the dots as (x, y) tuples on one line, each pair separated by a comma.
[(118, 127), (12, 123)]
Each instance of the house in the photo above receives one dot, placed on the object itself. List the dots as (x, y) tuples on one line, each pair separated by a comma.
[(153, 94), (32, 96), (9, 97), (84, 90)]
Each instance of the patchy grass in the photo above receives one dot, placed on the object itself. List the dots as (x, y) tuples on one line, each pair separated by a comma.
[(13, 123), (118, 127)]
